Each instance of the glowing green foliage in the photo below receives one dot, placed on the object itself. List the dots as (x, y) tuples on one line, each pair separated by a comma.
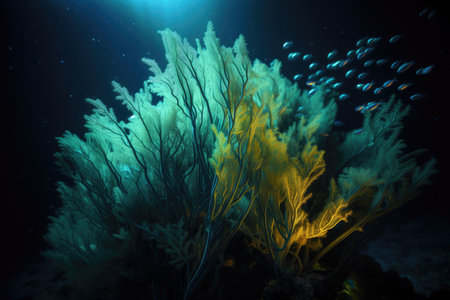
[(225, 150)]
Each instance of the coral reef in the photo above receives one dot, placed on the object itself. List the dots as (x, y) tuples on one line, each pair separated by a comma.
[(153, 201)]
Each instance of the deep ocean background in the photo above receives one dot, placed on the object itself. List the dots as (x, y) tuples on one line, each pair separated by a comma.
[(55, 53)]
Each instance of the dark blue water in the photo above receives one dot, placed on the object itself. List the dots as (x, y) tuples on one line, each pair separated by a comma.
[(56, 53)]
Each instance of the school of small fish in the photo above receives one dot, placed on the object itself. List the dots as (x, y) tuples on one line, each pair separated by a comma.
[(363, 56)]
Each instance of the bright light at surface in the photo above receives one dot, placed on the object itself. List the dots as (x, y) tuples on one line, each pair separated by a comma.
[(167, 11)]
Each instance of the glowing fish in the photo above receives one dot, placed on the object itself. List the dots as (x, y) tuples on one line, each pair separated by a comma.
[(312, 92), (426, 70), (361, 42), (367, 107), (369, 63), (359, 108), (313, 66), (395, 64), (373, 41), (320, 73), (287, 45), (367, 86), (389, 83), (343, 97), (377, 90), (293, 55), (363, 75), (351, 53), (332, 54), (307, 57), (361, 55), (310, 83), (417, 96), (403, 68), (337, 85), (371, 106), (381, 61), (350, 73), (297, 77), (395, 38), (330, 80), (336, 64), (404, 86)]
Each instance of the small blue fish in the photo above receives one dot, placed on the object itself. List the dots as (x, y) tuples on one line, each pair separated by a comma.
[(350, 73), (332, 54), (336, 64), (297, 77), (338, 123), (373, 41), (363, 75), (287, 45), (417, 96), (299, 115), (361, 55), (361, 42), (313, 66), (367, 86), (359, 86), (427, 70), (371, 106), (293, 55), (312, 92), (381, 61), (330, 80), (307, 57), (300, 108), (403, 68), (377, 91), (319, 73), (359, 108), (337, 85), (351, 53), (343, 97), (404, 86), (367, 107), (395, 38), (389, 83), (369, 63), (395, 64)]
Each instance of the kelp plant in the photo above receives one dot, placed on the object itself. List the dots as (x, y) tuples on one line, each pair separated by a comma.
[(155, 199)]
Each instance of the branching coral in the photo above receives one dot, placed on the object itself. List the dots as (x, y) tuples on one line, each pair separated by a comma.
[(162, 194)]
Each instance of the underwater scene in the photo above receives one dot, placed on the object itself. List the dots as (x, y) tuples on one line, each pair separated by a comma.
[(225, 149)]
